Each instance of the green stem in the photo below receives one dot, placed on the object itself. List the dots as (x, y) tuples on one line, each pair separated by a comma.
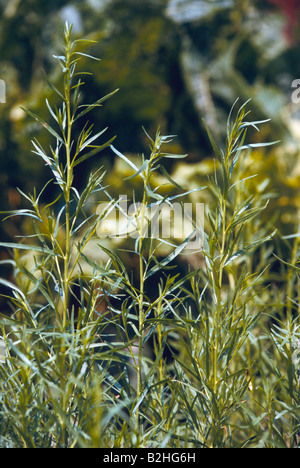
[(290, 281), (68, 187), (219, 295), (141, 301), (67, 192)]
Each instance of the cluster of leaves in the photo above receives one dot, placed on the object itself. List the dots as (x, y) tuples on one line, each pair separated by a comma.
[(80, 375)]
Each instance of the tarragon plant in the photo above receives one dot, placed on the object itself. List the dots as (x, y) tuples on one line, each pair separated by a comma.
[(88, 358)]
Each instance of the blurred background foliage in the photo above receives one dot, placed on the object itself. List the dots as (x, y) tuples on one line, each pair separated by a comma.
[(175, 63)]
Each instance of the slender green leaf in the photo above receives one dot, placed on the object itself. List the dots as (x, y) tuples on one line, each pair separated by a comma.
[(51, 85), (87, 55), (34, 248), (141, 169), (124, 158), (234, 257), (96, 150), (44, 124), (90, 107), (257, 145), (91, 139), (38, 284), (170, 257), (217, 151)]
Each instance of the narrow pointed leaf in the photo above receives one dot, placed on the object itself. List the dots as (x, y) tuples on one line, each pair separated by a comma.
[(38, 284), (44, 124), (213, 143), (91, 139), (87, 55), (94, 151), (254, 124), (12, 286), (257, 145), (141, 169), (174, 156), (24, 212), (170, 257), (95, 104), (34, 248), (124, 158), (234, 257), (167, 176), (51, 85)]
